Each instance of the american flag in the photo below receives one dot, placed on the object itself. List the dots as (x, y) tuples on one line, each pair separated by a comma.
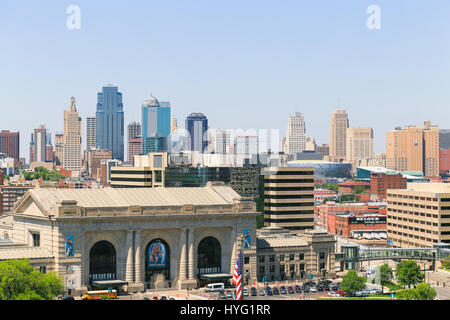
[(237, 277)]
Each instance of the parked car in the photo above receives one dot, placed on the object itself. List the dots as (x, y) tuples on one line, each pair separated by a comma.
[(305, 289), (333, 294), (163, 298), (298, 289), (283, 290), (245, 292), (334, 287), (155, 298), (342, 293), (319, 288), (361, 293), (253, 292), (229, 294), (291, 290), (261, 293), (275, 291), (312, 289), (222, 295)]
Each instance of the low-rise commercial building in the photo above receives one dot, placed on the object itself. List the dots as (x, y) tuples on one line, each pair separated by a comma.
[(284, 256), (419, 216)]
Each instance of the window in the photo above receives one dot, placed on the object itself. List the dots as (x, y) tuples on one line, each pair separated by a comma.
[(281, 257), (301, 256), (43, 269), (36, 239), (322, 255), (322, 265), (302, 267), (246, 260), (291, 257), (272, 258), (261, 258)]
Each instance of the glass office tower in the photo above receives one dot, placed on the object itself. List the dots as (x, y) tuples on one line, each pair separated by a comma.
[(155, 125), (110, 122), (196, 127)]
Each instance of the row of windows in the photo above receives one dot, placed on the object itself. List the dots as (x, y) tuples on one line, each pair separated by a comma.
[(413, 221), (414, 197), (290, 204), (415, 205), (273, 212), (423, 214), (289, 196), (281, 188), (281, 257), (414, 237), (290, 220), (288, 180), (411, 228), (293, 173)]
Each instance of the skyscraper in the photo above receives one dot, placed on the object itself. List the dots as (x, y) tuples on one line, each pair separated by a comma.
[(59, 149), (359, 144), (413, 149), (338, 135), (72, 139), (173, 125), (246, 145), (295, 134), (134, 140), (155, 125), (196, 128), (110, 122), (9, 144), (91, 133), (39, 141)]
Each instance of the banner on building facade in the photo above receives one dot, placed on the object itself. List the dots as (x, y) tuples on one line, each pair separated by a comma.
[(69, 246), (247, 238), (157, 257)]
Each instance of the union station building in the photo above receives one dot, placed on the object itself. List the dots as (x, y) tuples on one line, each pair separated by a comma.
[(134, 238)]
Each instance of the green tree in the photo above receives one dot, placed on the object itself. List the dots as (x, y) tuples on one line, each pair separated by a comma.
[(260, 208), (360, 189), (351, 282), (422, 292), (20, 281), (446, 262), (386, 275), (408, 273)]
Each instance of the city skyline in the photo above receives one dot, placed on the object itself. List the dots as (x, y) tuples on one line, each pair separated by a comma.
[(377, 76)]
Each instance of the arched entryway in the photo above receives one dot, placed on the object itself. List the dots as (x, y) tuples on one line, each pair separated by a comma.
[(102, 261), (209, 256), (157, 261)]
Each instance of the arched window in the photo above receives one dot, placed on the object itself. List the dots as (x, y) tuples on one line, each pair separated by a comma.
[(157, 259), (102, 261), (209, 256)]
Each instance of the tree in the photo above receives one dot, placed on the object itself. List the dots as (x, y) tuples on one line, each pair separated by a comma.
[(351, 282), (386, 275), (260, 208), (360, 189), (20, 281), (422, 292), (408, 273), (446, 262)]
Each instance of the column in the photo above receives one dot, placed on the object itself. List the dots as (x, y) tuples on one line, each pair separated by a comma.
[(129, 261), (191, 254), (183, 257), (137, 257)]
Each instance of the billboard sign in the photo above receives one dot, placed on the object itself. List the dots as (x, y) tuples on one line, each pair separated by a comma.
[(157, 255), (367, 220)]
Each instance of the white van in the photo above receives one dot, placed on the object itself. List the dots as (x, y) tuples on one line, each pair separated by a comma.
[(212, 287)]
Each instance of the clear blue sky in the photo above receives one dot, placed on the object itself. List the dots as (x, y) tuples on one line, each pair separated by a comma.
[(244, 64)]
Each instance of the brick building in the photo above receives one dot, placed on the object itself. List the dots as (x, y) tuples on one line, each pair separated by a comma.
[(381, 182), (348, 187), (9, 144), (344, 224)]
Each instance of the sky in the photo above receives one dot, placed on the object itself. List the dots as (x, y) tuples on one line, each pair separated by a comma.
[(244, 64)]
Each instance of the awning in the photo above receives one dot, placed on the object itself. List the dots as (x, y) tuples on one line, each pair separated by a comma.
[(109, 283), (215, 276)]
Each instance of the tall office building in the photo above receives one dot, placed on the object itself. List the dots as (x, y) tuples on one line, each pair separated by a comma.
[(414, 149), (221, 141), (39, 141), (196, 127), (110, 122), (155, 125), (173, 125), (246, 145), (59, 149), (72, 139), (134, 130), (359, 144), (9, 144), (295, 134), (338, 135), (91, 133), (289, 198)]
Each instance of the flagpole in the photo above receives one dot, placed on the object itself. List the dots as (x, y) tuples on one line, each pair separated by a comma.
[(242, 264)]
